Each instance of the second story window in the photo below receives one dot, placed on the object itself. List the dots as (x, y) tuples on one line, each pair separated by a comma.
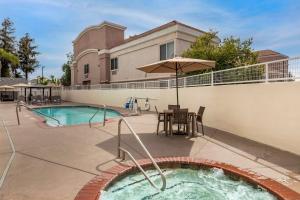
[(166, 51), (114, 64), (86, 68)]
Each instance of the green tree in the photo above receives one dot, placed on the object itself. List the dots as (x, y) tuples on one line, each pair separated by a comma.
[(12, 59), (54, 80), (27, 55), (229, 53), (9, 57), (7, 43), (66, 67), (42, 80)]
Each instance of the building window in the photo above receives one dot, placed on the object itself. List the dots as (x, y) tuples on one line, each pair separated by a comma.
[(86, 68), (167, 51), (114, 64)]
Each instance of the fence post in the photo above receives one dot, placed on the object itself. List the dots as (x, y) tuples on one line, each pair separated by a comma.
[(267, 72), (184, 82), (212, 78)]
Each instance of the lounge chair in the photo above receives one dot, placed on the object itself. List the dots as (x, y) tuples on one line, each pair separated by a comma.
[(46, 100), (39, 100), (181, 117), (56, 100), (33, 100), (199, 118), (160, 118)]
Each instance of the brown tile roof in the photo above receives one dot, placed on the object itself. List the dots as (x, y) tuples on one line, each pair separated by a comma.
[(11, 81), (164, 26), (269, 55)]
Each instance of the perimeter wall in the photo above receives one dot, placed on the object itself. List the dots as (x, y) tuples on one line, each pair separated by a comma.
[(266, 112)]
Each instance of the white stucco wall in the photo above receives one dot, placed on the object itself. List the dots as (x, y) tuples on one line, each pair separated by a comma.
[(267, 113)]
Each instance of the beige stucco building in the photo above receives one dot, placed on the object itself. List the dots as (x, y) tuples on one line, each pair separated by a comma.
[(103, 55)]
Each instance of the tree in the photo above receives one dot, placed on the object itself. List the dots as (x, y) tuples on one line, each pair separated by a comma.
[(66, 67), (54, 80), (9, 58), (7, 43), (27, 55), (229, 53), (42, 80)]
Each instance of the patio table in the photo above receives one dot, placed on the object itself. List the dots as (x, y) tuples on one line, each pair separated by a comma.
[(169, 113)]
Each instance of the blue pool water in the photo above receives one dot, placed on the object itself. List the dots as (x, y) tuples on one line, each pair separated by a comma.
[(185, 184), (72, 115)]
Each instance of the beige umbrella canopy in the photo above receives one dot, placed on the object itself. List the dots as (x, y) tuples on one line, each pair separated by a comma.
[(178, 64), (6, 87), (21, 85)]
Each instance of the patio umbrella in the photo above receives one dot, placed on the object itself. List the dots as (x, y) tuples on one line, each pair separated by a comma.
[(178, 64), (6, 87), (21, 85)]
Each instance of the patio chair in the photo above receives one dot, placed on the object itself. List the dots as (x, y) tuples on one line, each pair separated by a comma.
[(173, 107), (199, 118), (33, 100), (39, 100), (46, 100), (56, 100), (160, 118), (181, 117)]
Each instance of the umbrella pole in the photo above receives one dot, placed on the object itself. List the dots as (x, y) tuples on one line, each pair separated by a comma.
[(178, 127), (177, 84)]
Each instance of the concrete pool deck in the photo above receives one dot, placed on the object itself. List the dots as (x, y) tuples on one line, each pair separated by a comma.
[(55, 163)]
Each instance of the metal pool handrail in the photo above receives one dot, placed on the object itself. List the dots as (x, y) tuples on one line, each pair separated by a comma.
[(120, 149), (18, 108), (104, 116)]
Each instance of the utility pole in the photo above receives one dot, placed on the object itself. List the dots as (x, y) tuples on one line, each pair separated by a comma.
[(43, 72)]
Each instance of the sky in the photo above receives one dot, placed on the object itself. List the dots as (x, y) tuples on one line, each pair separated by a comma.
[(54, 24)]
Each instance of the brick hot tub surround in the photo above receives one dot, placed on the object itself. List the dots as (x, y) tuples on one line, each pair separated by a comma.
[(91, 191)]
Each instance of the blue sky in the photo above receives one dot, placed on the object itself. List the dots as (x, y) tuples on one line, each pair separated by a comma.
[(273, 24)]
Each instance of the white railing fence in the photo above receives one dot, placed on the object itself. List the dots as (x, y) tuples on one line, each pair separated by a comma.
[(275, 71)]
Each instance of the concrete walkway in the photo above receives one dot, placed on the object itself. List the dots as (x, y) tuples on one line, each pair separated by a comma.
[(54, 163)]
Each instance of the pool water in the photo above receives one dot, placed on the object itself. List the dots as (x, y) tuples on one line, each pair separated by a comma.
[(72, 115), (191, 184)]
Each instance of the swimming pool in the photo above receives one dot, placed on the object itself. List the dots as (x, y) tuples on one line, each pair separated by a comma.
[(73, 115)]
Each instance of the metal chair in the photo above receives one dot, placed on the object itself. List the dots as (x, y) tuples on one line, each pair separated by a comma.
[(160, 117), (181, 117), (199, 118), (173, 107)]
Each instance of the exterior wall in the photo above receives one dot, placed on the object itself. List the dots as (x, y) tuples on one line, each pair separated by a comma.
[(104, 63), (131, 55), (146, 50), (94, 68), (86, 47), (136, 56), (104, 37), (93, 39), (267, 113)]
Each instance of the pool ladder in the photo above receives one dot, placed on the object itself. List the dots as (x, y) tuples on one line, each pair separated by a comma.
[(123, 151), (18, 109), (104, 116)]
